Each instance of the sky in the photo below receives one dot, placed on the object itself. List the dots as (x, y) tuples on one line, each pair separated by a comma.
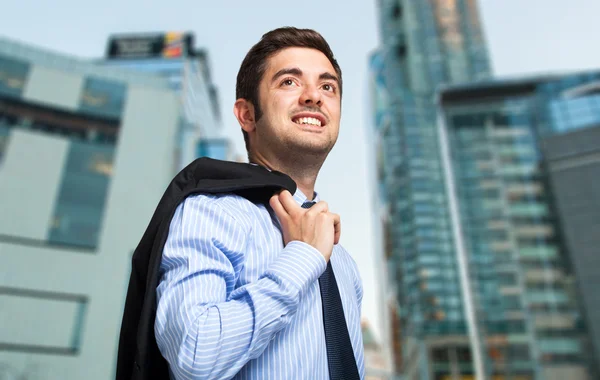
[(524, 37)]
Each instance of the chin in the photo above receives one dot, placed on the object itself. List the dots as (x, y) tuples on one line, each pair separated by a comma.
[(314, 147)]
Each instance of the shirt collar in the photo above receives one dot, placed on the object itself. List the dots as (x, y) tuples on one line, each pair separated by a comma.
[(300, 198)]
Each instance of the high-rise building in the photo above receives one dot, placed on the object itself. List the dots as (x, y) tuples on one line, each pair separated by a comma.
[(573, 164), (173, 56), (390, 341), (519, 158), (86, 152), (425, 44), (571, 151)]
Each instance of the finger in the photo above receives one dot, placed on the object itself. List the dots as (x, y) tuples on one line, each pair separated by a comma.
[(288, 202), (337, 226), (276, 205), (318, 208)]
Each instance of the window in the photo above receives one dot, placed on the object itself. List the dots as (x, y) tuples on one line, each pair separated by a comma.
[(507, 279), (4, 136), (79, 210), (103, 98), (516, 327), (440, 355), (420, 184), (464, 354), (469, 121), (401, 50), (455, 315), (512, 302), (519, 352), (452, 301), (30, 312), (559, 345), (425, 207), (397, 11), (508, 120), (13, 76)]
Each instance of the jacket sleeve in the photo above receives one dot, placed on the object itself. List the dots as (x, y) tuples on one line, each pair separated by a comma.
[(205, 327)]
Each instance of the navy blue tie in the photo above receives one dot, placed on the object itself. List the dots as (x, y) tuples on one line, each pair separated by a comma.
[(340, 355)]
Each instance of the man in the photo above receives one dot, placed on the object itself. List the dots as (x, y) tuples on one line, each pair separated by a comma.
[(240, 295)]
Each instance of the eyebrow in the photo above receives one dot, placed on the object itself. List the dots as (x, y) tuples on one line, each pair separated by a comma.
[(330, 77), (287, 71), (296, 71)]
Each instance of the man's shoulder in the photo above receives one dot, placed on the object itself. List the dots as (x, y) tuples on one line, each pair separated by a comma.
[(234, 205)]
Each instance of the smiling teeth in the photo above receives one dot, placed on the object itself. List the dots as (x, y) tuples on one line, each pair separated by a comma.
[(309, 120)]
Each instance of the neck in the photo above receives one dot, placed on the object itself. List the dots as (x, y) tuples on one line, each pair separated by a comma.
[(303, 173)]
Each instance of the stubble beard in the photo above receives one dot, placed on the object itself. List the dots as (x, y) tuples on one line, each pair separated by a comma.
[(292, 150), (298, 150)]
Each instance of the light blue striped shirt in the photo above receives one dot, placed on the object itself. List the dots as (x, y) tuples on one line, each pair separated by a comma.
[(234, 303)]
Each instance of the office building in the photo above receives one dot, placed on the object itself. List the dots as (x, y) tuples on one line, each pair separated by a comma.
[(571, 151), (573, 170), (86, 152), (389, 326), (173, 56), (424, 44), (518, 157)]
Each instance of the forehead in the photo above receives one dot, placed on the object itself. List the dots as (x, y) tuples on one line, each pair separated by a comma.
[(306, 59)]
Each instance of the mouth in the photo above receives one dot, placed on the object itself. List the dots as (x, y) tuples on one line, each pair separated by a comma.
[(310, 119)]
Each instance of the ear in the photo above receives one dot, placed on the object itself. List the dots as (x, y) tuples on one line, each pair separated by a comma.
[(244, 113)]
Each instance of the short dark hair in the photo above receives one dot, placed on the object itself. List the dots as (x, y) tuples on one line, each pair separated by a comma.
[(254, 64)]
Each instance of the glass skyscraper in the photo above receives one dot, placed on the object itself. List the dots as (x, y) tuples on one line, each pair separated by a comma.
[(572, 155), (508, 153), (425, 44)]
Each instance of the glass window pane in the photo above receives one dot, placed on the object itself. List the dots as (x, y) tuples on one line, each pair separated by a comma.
[(77, 218), (13, 76), (103, 98)]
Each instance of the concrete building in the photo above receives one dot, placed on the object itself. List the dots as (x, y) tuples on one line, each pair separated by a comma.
[(86, 151), (173, 56)]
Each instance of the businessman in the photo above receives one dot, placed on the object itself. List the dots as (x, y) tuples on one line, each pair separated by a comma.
[(252, 290)]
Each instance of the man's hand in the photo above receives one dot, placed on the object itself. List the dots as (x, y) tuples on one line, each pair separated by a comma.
[(315, 226)]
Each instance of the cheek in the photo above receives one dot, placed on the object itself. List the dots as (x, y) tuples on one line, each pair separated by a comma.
[(281, 109), (335, 113)]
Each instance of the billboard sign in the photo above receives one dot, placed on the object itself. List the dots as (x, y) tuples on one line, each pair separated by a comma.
[(167, 45)]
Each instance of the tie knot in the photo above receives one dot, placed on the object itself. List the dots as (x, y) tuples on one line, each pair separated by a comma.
[(308, 204)]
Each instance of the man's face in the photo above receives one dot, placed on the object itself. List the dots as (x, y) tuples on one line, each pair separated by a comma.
[(300, 102)]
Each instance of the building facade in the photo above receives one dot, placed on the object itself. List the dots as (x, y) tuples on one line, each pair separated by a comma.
[(173, 56), (571, 151), (425, 44), (514, 156), (86, 152)]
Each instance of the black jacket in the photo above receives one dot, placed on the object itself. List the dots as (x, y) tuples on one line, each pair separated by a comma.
[(139, 357)]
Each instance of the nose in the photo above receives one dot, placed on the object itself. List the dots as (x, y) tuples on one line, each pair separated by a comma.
[(311, 96)]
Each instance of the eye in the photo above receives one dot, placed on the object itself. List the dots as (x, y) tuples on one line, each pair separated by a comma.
[(328, 87), (288, 82)]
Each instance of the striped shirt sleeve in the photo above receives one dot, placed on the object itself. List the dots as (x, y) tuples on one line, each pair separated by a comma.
[(205, 326)]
